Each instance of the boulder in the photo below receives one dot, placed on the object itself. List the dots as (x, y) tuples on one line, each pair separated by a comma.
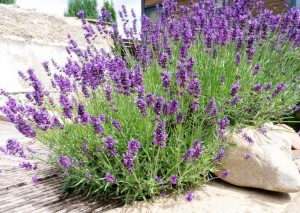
[(267, 163)]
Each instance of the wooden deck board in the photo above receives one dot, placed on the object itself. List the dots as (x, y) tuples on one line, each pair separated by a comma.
[(18, 194)]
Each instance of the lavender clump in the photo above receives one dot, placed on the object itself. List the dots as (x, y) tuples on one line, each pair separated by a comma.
[(173, 82)]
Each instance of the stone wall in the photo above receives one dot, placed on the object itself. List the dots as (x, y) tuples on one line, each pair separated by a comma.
[(27, 38)]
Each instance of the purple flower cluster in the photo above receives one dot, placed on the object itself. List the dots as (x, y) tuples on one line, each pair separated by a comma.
[(13, 147), (189, 196), (109, 178), (128, 158), (279, 88), (133, 146), (166, 80), (173, 180), (194, 153), (160, 136), (222, 124), (64, 163), (117, 125), (110, 146), (212, 109), (220, 155), (28, 166)]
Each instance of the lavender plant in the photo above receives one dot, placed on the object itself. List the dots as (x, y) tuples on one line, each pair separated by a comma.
[(147, 124)]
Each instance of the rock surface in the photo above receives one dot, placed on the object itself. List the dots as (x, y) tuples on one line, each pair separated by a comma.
[(267, 163)]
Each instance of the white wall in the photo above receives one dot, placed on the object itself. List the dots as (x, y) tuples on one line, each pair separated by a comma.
[(16, 54)]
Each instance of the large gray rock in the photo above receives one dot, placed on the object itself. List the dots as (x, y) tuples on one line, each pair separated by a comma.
[(267, 163)]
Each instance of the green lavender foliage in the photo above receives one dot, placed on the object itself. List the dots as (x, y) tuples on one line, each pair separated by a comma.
[(88, 6), (7, 1), (109, 6)]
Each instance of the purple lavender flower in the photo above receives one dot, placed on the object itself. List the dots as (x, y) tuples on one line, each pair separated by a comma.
[(179, 118), (189, 196), (142, 106), (109, 178), (108, 93), (166, 80), (160, 136), (97, 126), (173, 180), (256, 69), (64, 162), (24, 127), (66, 105), (82, 115), (149, 99), (35, 180), (172, 107), (158, 105), (117, 125), (234, 88), (110, 146), (133, 146), (193, 153), (247, 156), (247, 138), (220, 155), (26, 165), (194, 106), (211, 108), (268, 86), (224, 174), (279, 88), (80, 14), (13, 147), (194, 88), (257, 88), (158, 178), (128, 161)]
